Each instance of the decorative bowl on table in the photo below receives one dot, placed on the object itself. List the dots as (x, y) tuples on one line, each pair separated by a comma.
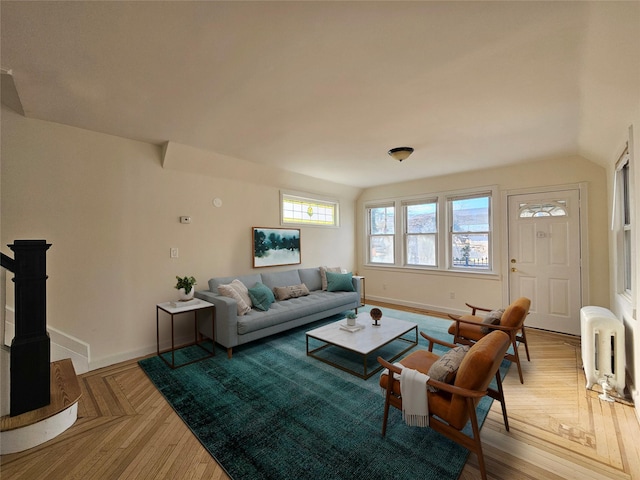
[(376, 315)]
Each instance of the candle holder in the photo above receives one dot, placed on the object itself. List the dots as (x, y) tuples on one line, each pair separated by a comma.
[(376, 315)]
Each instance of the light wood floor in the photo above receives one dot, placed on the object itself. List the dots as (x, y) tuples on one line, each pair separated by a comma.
[(126, 430)]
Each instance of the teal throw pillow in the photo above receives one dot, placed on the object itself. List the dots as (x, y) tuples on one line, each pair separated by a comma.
[(261, 296), (339, 282)]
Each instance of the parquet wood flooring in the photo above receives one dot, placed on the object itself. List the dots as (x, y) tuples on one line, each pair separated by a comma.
[(559, 430)]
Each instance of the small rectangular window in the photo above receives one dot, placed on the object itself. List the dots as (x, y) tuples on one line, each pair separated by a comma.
[(307, 211), (626, 226), (470, 228), (421, 233), (381, 232)]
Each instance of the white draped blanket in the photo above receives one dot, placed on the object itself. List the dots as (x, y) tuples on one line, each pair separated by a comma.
[(415, 407), (413, 388)]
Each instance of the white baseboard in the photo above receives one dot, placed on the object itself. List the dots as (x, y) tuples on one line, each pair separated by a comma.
[(137, 353), (423, 306), (66, 346), (62, 345)]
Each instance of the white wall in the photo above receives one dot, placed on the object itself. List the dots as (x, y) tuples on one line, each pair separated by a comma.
[(111, 211), (611, 107), (624, 307), (429, 289)]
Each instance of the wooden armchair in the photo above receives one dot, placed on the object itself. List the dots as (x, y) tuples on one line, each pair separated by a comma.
[(468, 329), (453, 406)]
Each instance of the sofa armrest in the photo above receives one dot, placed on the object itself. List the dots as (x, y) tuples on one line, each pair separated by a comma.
[(226, 318), (357, 285)]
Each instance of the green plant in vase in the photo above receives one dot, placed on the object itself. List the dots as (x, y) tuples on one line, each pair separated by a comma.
[(351, 318), (185, 287)]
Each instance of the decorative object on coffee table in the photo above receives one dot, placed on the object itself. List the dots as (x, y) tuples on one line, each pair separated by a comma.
[(376, 315), (351, 318), (354, 349), (185, 287)]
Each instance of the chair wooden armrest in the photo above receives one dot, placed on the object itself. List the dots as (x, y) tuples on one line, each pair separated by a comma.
[(458, 319), (394, 369), (464, 392), (389, 366), (475, 308), (433, 340)]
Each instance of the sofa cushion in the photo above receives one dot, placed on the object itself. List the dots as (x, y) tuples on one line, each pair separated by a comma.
[(323, 274), (492, 318), (281, 279), (339, 282), (445, 368), (248, 280), (311, 278), (294, 309), (261, 296), (239, 292), (292, 291)]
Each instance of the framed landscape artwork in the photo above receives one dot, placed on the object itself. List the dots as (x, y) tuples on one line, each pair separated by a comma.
[(276, 246)]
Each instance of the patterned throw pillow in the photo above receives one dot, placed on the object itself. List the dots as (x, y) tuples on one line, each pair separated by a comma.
[(239, 292), (292, 291), (323, 274), (492, 318), (445, 368), (340, 282)]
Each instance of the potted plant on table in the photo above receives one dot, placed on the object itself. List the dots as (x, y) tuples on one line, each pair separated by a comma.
[(185, 287), (351, 318)]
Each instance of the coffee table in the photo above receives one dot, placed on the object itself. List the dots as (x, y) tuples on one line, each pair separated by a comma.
[(363, 342)]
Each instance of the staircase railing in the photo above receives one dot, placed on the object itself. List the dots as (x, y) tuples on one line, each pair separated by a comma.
[(30, 375)]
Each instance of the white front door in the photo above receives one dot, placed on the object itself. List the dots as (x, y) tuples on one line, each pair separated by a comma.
[(544, 258)]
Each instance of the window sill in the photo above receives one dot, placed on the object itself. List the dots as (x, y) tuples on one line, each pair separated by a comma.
[(488, 275)]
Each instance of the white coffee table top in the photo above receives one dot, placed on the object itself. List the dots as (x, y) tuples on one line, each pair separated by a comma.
[(366, 340)]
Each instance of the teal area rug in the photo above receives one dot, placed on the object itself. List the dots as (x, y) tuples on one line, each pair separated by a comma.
[(272, 412)]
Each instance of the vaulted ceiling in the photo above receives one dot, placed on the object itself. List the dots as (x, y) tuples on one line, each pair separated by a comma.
[(327, 88)]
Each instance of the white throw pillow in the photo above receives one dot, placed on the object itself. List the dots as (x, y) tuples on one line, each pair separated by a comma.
[(240, 293)]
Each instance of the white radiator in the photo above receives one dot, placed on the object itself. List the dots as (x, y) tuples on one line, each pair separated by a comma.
[(603, 347)]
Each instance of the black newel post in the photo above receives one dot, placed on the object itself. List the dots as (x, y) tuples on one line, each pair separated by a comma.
[(30, 349)]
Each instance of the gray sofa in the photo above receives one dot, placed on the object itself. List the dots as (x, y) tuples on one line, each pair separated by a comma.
[(232, 330)]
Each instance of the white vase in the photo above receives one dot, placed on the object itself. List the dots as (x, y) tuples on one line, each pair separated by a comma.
[(185, 296)]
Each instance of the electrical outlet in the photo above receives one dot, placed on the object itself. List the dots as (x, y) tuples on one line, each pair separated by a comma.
[(174, 252)]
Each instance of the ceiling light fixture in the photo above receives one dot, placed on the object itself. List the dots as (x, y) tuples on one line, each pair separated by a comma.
[(400, 153)]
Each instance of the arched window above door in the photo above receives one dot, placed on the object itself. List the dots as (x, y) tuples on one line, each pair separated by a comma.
[(548, 209)]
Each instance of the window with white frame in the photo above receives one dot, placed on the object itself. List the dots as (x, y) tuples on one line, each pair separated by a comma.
[(299, 210), (421, 233), (623, 184), (470, 232), (381, 228), (447, 231)]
